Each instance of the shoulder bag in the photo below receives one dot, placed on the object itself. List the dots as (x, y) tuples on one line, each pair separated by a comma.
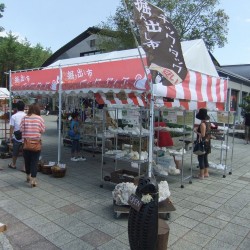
[(199, 147), (18, 135), (31, 144)]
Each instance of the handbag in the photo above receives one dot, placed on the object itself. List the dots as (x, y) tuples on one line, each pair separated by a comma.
[(18, 135), (199, 148), (32, 145)]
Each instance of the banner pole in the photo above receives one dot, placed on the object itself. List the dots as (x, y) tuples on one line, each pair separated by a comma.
[(151, 110)]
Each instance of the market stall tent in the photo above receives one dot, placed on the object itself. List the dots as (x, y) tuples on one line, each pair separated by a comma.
[(124, 71), (120, 72)]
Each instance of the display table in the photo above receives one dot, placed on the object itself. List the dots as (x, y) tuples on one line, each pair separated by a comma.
[(164, 209)]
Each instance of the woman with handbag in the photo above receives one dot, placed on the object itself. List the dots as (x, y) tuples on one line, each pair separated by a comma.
[(203, 132), (32, 126)]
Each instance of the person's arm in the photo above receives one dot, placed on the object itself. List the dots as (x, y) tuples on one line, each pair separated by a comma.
[(196, 131), (203, 130), (22, 125), (11, 131)]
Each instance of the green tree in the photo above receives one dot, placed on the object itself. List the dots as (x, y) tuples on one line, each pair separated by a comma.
[(245, 105), (2, 7), (193, 19), (15, 55)]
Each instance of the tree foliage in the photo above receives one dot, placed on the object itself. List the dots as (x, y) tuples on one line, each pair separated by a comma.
[(193, 19), (15, 55), (245, 105), (2, 7)]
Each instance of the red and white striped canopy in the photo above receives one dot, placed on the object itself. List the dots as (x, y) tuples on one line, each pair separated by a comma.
[(196, 87), (131, 99), (189, 105)]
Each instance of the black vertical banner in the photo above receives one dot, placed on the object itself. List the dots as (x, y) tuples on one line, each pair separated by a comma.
[(160, 41)]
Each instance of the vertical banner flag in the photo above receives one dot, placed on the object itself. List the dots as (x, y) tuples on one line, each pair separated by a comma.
[(161, 42)]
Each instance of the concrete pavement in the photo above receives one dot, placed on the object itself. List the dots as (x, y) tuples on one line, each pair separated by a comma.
[(75, 213)]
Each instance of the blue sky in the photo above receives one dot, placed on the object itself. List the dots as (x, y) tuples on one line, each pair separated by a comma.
[(237, 50), (54, 23)]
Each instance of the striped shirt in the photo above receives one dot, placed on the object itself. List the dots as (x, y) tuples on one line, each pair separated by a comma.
[(32, 126)]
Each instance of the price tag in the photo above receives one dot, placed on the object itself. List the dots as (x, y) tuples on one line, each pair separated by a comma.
[(135, 202), (109, 96), (167, 99), (122, 95)]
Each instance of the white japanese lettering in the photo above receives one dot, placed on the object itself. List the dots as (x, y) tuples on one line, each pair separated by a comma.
[(153, 27), (143, 7), (70, 75)]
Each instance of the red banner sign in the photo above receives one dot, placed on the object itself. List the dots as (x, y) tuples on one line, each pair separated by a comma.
[(45, 80), (126, 74)]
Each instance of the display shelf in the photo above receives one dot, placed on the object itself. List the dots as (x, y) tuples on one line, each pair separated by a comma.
[(89, 139), (127, 159), (182, 121), (123, 127), (221, 147)]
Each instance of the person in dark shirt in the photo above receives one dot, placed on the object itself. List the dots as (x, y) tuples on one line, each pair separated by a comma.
[(247, 127), (47, 109), (203, 132)]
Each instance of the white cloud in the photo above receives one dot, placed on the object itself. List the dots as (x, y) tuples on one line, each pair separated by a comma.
[(3, 34), (20, 37), (248, 20)]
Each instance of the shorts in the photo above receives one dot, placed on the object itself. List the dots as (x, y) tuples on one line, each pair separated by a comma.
[(75, 146), (16, 147)]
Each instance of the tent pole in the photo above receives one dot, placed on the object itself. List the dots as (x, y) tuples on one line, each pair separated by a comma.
[(151, 132), (10, 99), (229, 99), (59, 114)]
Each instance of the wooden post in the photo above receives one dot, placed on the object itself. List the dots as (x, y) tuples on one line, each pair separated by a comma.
[(163, 234)]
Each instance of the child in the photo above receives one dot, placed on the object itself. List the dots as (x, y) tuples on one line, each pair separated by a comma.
[(75, 137)]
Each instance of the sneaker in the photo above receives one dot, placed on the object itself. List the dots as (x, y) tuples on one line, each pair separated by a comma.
[(82, 158), (74, 159)]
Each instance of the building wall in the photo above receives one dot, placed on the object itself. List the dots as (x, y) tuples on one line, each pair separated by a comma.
[(236, 92), (83, 46)]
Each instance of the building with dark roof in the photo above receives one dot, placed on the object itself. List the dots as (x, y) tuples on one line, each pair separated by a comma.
[(240, 69), (82, 45), (238, 88)]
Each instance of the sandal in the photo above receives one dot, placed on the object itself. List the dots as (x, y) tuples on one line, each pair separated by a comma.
[(10, 166), (206, 175), (198, 177)]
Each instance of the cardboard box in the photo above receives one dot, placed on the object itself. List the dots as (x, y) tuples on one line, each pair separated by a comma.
[(123, 175)]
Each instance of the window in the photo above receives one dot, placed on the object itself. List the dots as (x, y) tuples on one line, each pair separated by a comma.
[(92, 43), (88, 53)]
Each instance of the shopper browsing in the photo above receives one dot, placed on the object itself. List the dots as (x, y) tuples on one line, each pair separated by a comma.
[(47, 109), (15, 134), (74, 134), (247, 127), (32, 126), (203, 132)]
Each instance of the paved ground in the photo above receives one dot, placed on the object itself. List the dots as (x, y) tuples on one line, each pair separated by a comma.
[(75, 213)]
